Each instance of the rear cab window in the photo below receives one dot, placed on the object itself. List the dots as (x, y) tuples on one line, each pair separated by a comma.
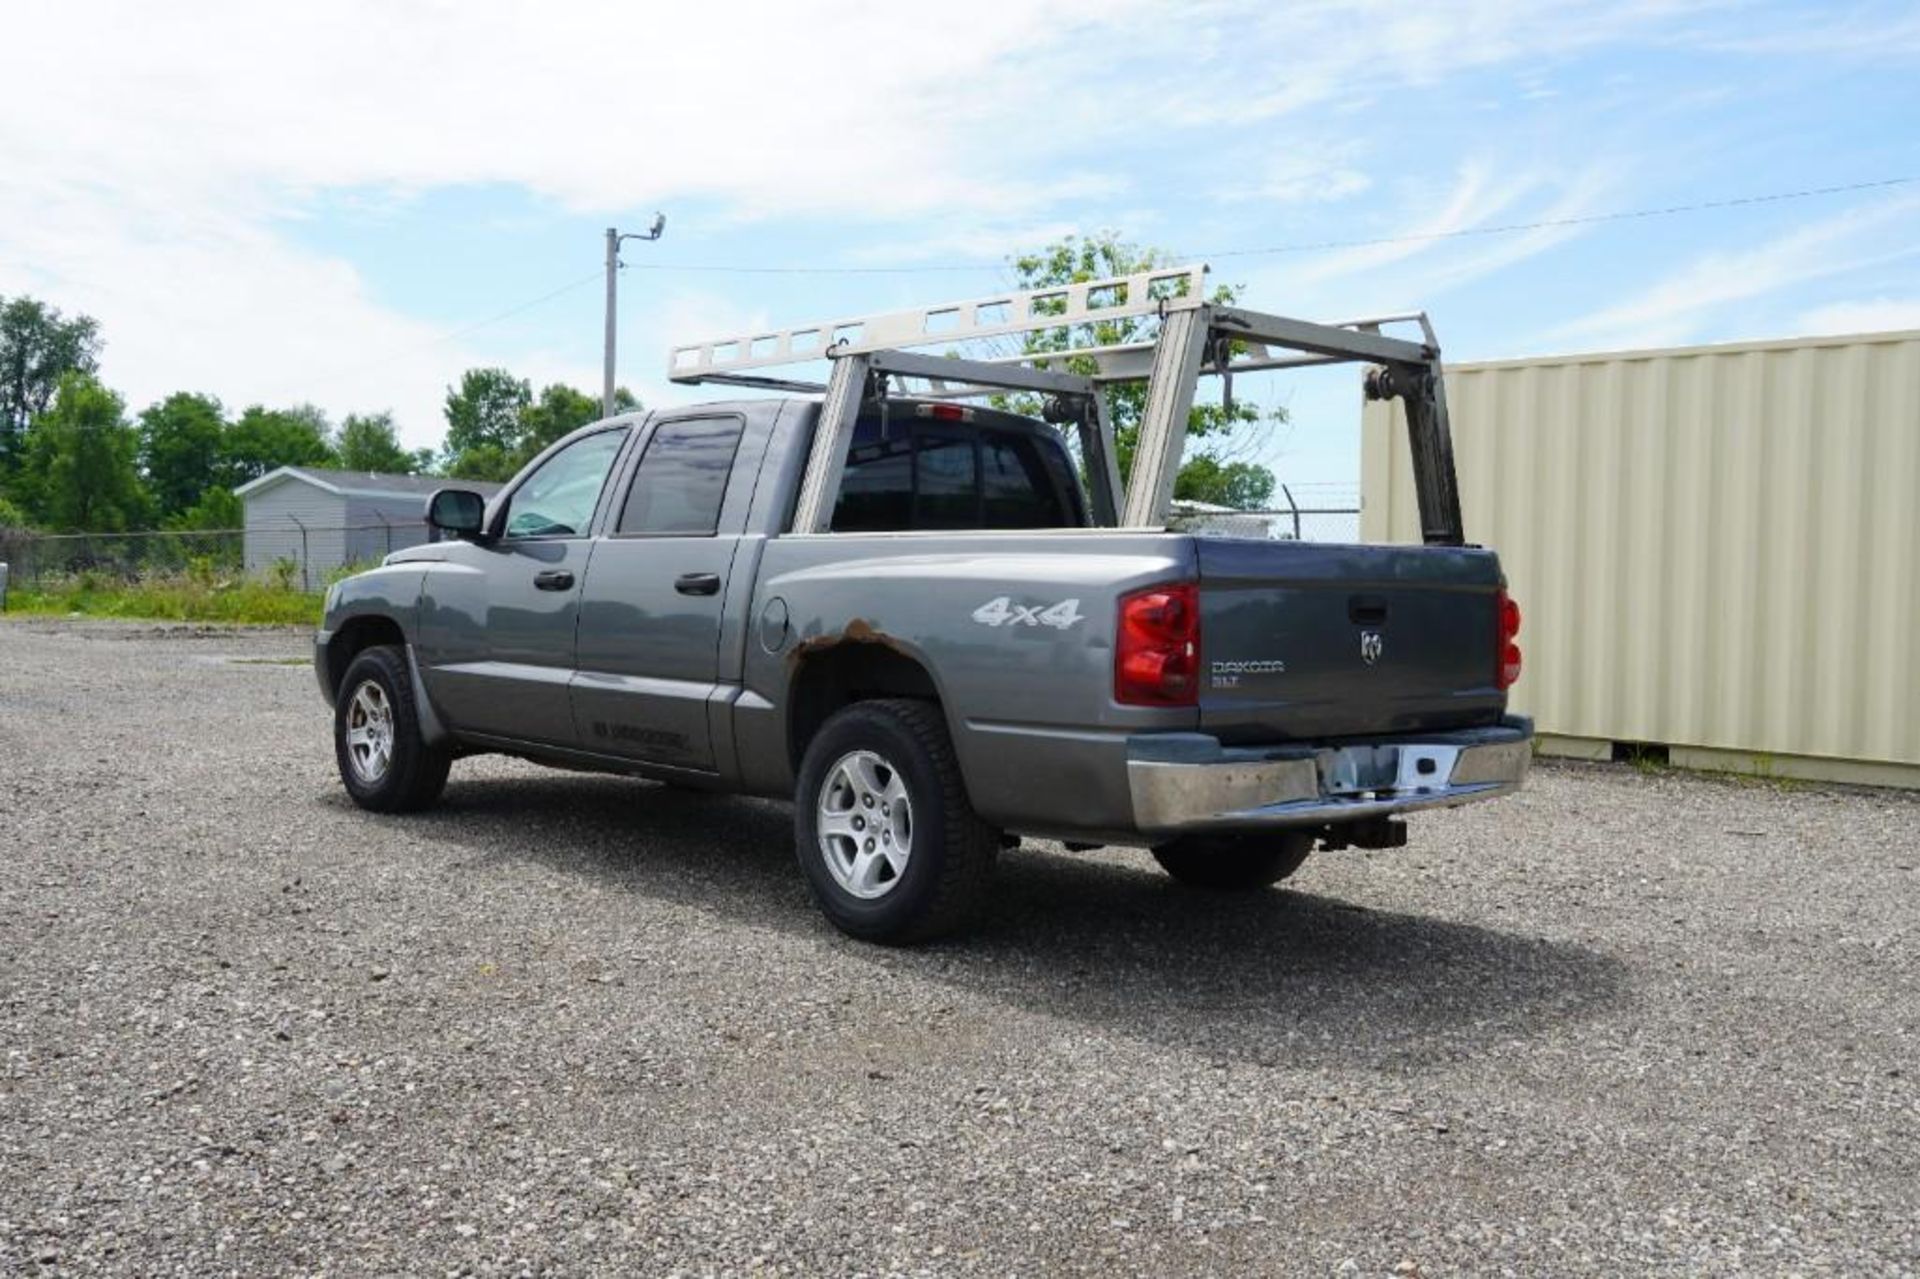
[(996, 472)]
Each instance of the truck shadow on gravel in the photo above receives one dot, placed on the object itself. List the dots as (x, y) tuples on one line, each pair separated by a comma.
[(1285, 976)]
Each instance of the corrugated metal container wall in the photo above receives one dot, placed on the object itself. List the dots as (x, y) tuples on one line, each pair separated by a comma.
[(1715, 547)]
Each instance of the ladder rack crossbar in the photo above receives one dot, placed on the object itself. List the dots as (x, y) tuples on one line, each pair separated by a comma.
[(1151, 292), (1131, 361)]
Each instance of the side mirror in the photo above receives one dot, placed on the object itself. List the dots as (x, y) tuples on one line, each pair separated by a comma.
[(457, 511)]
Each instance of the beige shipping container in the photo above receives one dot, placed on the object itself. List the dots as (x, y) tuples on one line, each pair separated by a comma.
[(1715, 549)]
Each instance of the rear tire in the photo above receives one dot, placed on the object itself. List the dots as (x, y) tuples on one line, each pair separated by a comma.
[(1234, 863), (384, 764), (885, 834)]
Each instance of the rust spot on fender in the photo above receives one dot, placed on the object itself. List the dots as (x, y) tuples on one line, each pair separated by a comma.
[(857, 631)]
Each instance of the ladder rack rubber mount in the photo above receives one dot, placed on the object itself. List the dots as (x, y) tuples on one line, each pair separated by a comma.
[(1194, 338)]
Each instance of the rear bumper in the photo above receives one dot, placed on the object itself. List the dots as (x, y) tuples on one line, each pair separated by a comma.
[(1187, 782)]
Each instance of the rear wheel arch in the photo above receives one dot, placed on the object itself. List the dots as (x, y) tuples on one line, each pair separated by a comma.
[(830, 679)]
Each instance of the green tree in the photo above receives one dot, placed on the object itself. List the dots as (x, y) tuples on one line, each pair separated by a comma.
[(1242, 485), (495, 423), (484, 423), (79, 472), (558, 410), (311, 416), (263, 439), (38, 347), (218, 508), (11, 516), (1077, 259), (369, 442), (480, 462), (181, 442)]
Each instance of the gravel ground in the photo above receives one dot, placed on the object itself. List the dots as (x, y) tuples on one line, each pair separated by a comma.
[(569, 1024)]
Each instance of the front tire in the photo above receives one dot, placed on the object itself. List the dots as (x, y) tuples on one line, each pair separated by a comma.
[(1234, 863), (886, 837), (384, 764)]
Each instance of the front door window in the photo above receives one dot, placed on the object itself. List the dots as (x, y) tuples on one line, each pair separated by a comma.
[(557, 500)]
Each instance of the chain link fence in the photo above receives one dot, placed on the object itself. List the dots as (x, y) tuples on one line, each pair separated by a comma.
[(35, 559), (306, 557), (290, 554), (1298, 524)]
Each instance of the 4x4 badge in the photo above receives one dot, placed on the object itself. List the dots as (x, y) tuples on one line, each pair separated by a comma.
[(1370, 646)]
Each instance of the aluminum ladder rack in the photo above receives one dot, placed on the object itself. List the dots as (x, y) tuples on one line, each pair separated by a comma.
[(1193, 338)]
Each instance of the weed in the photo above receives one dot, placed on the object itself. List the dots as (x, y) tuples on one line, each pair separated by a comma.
[(192, 596)]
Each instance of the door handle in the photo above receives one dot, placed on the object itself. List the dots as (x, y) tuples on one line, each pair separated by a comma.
[(554, 579), (697, 584)]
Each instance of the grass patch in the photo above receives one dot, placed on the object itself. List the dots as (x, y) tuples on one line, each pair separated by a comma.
[(1765, 773), (185, 598)]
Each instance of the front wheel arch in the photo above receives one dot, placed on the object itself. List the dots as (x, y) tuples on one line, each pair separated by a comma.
[(415, 770), (355, 636)]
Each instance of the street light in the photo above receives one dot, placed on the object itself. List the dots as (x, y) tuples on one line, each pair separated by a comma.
[(614, 237)]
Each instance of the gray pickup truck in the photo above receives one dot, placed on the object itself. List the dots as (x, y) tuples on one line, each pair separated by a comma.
[(928, 623)]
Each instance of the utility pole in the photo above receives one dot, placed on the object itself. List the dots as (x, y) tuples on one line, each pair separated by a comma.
[(614, 237)]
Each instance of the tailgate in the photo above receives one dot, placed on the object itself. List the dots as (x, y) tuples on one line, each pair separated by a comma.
[(1311, 640)]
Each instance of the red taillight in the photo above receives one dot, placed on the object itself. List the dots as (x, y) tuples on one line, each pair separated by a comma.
[(1507, 653), (945, 412), (1156, 651)]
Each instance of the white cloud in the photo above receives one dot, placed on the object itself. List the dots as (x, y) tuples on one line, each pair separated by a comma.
[(195, 297), (1422, 257), (1331, 54), (602, 106), (964, 240), (1869, 315), (1677, 308), (148, 172), (1300, 171), (149, 183), (1830, 31), (1477, 197)]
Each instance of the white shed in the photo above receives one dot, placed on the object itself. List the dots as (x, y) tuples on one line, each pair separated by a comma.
[(318, 519)]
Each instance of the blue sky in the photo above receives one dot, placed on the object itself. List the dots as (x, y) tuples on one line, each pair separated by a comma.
[(275, 203)]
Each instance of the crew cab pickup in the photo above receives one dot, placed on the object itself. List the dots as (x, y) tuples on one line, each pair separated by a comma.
[(956, 655)]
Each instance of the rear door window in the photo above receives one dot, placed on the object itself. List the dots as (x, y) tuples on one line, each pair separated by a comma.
[(682, 478)]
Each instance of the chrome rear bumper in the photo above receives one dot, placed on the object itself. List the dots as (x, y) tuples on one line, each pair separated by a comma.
[(1182, 782)]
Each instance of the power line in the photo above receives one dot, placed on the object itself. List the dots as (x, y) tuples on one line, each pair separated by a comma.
[(463, 330), (1774, 197), (518, 308), (1314, 246), (512, 311), (1583, 220)]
